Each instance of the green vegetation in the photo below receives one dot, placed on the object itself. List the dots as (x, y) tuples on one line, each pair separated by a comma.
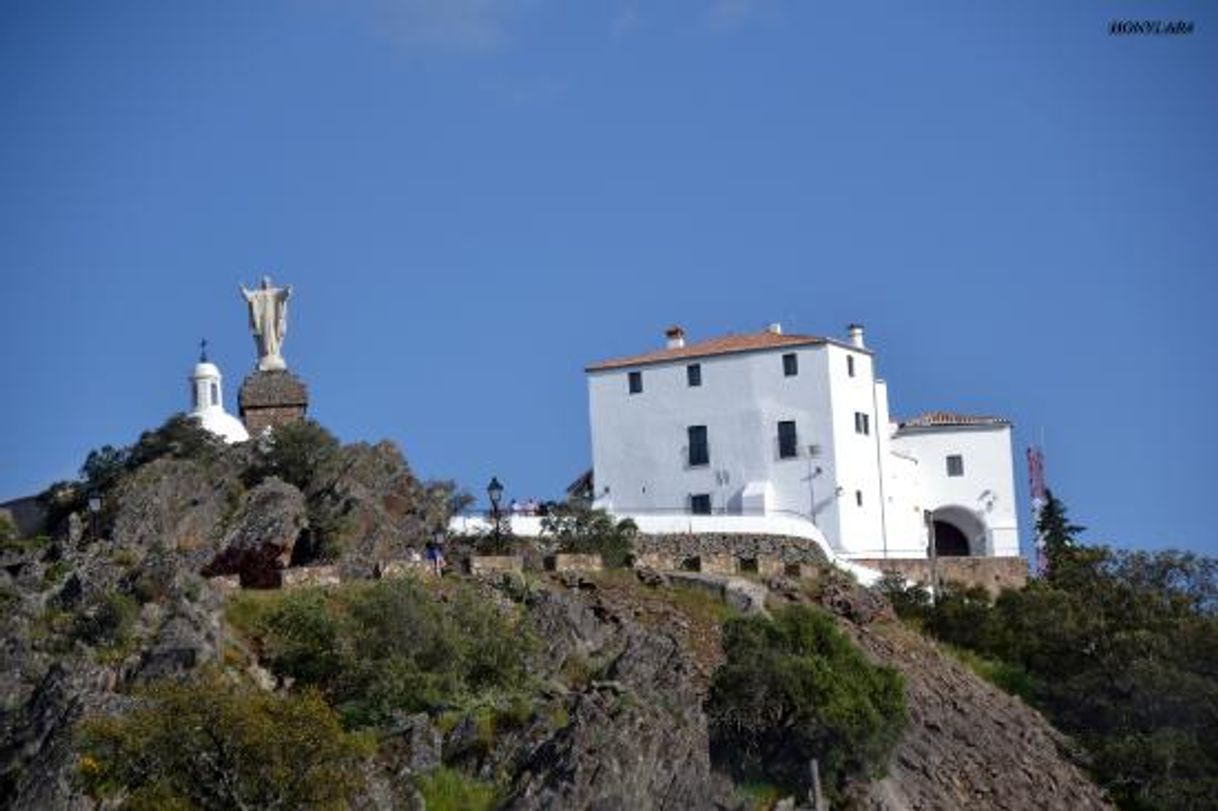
[(216, 744), (449, 790), (794, 688), (107, 621), (1119, 649), (581, 530), (373, 648)]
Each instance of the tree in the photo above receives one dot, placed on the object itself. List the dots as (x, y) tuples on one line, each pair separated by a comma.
[(1060, 536), (794, 688), (215, 744), (579, 529), (103, 467)]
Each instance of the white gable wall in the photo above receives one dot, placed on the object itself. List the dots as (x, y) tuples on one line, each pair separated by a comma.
[(987, 488)]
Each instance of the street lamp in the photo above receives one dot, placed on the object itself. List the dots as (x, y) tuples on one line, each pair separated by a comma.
[(95, 505), (928, 516), (495, 491)]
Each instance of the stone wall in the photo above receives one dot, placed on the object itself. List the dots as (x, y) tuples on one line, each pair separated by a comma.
[(717, 547), (565, 562), (298, 576), (995, 574), (495, 564)]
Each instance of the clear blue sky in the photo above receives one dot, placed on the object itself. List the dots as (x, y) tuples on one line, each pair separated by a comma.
[(473, 199)]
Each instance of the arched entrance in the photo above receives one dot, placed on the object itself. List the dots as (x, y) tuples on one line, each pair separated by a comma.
[(958, 533)]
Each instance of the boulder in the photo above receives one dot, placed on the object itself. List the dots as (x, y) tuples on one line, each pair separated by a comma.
[(260, 544)]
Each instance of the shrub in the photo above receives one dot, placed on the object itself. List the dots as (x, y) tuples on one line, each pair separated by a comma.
[(909, 601), (211, 744), (301, 453), (794, 688), (179, 437), (106, 621), (579, 529), (377, 648)]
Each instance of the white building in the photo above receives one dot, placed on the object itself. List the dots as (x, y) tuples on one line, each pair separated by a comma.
[(796, 427), (207, 403)]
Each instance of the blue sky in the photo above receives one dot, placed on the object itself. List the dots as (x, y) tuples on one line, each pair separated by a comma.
[(474, 199)]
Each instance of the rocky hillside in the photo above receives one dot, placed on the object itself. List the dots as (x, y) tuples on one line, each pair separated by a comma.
[(607, 713)]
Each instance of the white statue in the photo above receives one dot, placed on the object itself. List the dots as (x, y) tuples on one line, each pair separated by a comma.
[(269, 322)]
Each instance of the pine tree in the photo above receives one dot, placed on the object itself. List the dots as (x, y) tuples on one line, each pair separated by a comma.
[(1060, 536)]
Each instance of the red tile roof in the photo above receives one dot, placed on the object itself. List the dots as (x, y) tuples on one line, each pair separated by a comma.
[(936, 419), (725, 345)]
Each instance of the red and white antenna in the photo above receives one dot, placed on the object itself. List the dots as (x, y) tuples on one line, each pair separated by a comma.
[(1036, 489)]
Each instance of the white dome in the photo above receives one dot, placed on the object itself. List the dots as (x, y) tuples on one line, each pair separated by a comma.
[(205, 369), (222, 424)]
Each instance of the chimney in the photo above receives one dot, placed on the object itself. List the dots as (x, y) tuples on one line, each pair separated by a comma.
[(675, 337), (856, 335), (774, 329)]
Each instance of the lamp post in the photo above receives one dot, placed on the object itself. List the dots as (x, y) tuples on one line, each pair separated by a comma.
[(95, 505), (933, 553), (495, 491)]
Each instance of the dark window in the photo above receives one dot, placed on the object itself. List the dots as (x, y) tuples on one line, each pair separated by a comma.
[(215, 394), (636, 382), (788, 443), (862, 423), (858, 497), (850, 365), (699, 451), (699, 504), (955, 465), (693, 373), (790, 364)]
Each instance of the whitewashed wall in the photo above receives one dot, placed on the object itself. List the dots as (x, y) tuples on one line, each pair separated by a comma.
[(987, 488)]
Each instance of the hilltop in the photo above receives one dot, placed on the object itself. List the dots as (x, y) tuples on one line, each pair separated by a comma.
[(547, 690)]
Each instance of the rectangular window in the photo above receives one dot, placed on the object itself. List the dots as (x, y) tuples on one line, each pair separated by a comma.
[(700, 504), (850, 365), (862, 423), (790, 364), (693, 374), (955, 465), (788, 442), (636, 382), (858, 497), (699, 451)]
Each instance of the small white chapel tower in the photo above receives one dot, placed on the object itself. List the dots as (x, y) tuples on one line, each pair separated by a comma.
[(207, 401)]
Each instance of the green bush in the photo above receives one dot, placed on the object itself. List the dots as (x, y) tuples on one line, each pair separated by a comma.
[(212, 744), (794, 688), (909, 601), (106, 621), (390, 645), (581, 530)]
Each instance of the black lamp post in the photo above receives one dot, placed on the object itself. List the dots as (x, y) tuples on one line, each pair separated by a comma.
[(495, 491), (95, 505)]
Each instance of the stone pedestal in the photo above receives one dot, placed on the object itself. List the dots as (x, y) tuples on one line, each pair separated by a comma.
[(272, 398)]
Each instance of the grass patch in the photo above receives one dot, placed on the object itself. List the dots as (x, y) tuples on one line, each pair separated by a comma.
[(699, 604), (760, 796), (1003, 675), (450, 790)]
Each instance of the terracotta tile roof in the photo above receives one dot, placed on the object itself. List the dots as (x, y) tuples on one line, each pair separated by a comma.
[(725, 345), (935, 419)]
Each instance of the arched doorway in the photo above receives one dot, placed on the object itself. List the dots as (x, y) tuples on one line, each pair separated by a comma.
[(950, 542), (958, 533)]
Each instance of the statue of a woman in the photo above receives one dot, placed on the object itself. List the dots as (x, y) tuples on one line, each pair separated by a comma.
[(268, 308)]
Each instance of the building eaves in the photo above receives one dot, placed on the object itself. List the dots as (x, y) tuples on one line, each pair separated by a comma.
[(724, 345)]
